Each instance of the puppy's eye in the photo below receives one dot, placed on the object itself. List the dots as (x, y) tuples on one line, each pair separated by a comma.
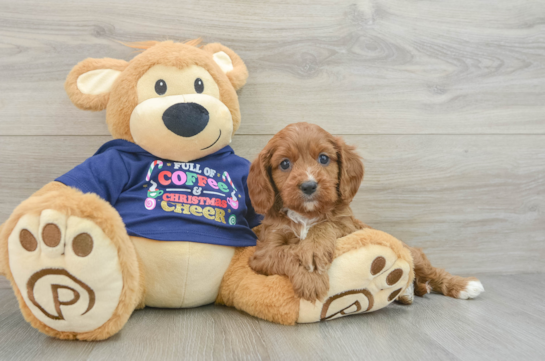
[(199, 85), (323, 159), (160, 87), (285, 164)]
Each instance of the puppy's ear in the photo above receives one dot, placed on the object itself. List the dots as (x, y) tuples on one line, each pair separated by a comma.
[(350, 170), (231, 64), (259, 183), (89, 83)]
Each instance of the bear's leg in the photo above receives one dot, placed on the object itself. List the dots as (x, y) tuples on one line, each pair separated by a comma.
[(71, 264), (370, 270), (268, 297)]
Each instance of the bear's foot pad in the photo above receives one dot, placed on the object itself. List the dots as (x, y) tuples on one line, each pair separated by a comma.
[(66, 269), (363, 280)]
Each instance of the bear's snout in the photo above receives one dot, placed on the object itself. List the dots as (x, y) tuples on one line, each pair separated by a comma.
[(186, 119)]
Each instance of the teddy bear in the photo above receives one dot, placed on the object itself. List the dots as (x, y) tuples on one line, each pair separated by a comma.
[(160, 216)]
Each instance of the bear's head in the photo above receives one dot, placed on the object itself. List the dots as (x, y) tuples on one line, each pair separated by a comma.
[(178, 101)]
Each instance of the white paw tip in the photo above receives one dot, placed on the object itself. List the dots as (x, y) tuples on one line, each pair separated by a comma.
[(428, 287), (472, 290), (409, 292)]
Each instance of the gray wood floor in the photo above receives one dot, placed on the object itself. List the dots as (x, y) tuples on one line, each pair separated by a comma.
[(506, 323)]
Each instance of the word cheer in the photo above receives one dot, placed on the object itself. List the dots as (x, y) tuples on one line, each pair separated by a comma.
[(215, 214)]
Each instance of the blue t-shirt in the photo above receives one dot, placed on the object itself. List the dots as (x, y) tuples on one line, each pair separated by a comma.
[(203, 201)]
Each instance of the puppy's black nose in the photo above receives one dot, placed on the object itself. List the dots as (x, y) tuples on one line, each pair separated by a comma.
[(309, 187), (186, 119)]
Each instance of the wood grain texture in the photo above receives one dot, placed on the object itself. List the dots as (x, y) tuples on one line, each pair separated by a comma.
[(444, 100), (500, 325), (359, 67), (504, 323), (204, 333), (474, 203)]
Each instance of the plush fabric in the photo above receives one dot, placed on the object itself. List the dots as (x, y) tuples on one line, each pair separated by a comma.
[(56, 243), (268, 297), (88, 101), (182, 274), (71, 202)]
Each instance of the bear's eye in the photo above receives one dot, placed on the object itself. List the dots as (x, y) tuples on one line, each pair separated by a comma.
[(160, 87), (323, 159), (199, 85), (285, 164)]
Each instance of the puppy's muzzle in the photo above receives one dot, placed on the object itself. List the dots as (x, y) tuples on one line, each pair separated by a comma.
[(186, 119), (309, 187)]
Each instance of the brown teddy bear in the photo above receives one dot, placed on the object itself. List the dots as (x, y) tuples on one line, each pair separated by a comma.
[(160, 216)]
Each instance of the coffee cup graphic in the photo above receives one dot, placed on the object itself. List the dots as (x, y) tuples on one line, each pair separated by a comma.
[(155, 193)]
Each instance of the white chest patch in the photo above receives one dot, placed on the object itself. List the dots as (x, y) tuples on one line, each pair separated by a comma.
[(306, 223)]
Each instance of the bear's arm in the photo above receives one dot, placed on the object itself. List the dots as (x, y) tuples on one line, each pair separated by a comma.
[(104, 174)]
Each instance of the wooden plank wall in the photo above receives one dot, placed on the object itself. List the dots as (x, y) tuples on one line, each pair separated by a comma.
[(444, 99)]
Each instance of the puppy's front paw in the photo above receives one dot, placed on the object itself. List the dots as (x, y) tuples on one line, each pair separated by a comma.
[(256, 264), (315, 259), (310, 286), (323, 259)]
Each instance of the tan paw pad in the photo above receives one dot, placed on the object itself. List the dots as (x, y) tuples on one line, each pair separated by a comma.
[(362, 280), (66, 269)]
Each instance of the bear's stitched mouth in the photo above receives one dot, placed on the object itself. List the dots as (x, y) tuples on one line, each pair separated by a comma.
[(219, 136)]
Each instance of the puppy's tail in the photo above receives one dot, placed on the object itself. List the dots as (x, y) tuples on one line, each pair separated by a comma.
[(429, 278)]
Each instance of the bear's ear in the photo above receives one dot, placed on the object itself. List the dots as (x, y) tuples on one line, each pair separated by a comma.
[(231, 64), (89, 83)]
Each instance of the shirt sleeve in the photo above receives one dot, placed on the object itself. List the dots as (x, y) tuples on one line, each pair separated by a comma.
[(104, 174), (254, 219)]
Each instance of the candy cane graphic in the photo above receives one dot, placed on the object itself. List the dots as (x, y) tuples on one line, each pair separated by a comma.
[(155, 162), (226, 175)]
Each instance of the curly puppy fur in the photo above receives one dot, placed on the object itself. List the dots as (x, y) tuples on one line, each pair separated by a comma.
[(300, 227), (298, 233)]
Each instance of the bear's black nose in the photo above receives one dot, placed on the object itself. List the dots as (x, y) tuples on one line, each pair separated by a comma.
[(186, 119), (309, 187)]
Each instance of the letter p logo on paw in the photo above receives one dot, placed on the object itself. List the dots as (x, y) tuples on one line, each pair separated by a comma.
[(48, 289), (66, 269)]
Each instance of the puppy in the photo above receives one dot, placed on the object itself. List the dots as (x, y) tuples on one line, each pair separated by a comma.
[(303, 182)]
